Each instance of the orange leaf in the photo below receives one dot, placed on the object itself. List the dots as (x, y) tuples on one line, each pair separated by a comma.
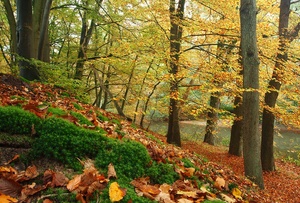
[(7, 199)]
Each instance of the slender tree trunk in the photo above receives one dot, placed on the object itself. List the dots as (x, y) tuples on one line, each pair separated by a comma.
[(236, 139), (267, 151), (212, 120), (176, 15), (43, 52), (250, 63), (13, 34), (25, 40)]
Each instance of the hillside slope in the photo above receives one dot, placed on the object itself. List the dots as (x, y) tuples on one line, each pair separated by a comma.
[(172, 175)]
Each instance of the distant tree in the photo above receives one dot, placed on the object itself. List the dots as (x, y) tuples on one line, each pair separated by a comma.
[(250, 64), (268, 120), (176, 16)]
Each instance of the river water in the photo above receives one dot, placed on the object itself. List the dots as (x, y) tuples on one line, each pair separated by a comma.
[(286, 142)]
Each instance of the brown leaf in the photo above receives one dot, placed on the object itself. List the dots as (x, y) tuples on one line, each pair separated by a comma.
[(56, 179), (111, 173), (13, 159), (74, 183), (220, 183), (10, 187), (47, 201)]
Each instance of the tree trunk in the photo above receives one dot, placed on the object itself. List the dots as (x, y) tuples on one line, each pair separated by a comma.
[(267, 151), (176, 15), (13, 34), (236, 139), (250, 63), (43, 53), (25, 40), (212, 120), (86, 34)]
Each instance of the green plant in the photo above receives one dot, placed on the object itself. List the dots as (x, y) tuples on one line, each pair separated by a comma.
[(15, 120), (65, 142), (56, 111), (188, 163), (59, 195), (102, 117), (82, 119), (129, 158), (77, 106), (131, 195), (214, 201), (162, 173)]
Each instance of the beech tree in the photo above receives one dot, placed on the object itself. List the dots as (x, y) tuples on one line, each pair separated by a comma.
[(176, 17), (25, 40), (268, 122), (250, 64)]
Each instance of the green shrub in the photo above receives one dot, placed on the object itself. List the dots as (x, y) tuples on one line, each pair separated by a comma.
[(129, 158), (15, 120), (162, 173), (65, 142)]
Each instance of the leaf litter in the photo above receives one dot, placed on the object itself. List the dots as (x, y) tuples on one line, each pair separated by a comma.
[(217, 174)]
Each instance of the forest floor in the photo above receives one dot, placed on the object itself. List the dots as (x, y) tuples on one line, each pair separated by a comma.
[(281, 186)]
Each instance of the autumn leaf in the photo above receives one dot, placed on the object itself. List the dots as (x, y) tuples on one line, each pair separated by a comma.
[(7, 199), (111, 173), (115, 192), (10, 187), (236, 193), (220, 183), (55, 179), (74, 183)]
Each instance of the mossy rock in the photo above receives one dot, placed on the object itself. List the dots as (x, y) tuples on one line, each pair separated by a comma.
[(66, 142)]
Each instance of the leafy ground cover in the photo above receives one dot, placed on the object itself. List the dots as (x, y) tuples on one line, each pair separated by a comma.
[(131, 164)]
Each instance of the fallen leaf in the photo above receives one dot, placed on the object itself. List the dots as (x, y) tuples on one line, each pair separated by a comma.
[(111, 173), (220, 183), (115, 192), (13, 159), (74, 183), (47, 201), (7, 199), (236, 193), (183, 200), (10, 187), (227, 198)]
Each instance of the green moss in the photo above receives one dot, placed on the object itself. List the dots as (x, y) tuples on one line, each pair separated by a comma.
[(130, 196), (82, 119), (59, 195), (129, 158), (162, 173), (77, 106), (15, 120), (102, 117), (65, 142), (56, 111)]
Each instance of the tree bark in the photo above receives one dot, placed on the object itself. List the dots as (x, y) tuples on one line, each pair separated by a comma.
[(25, 40), (250, 63), (176, 16), (86, 34), (236, 139), (212, 120), (267, 151), (13, 33)]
